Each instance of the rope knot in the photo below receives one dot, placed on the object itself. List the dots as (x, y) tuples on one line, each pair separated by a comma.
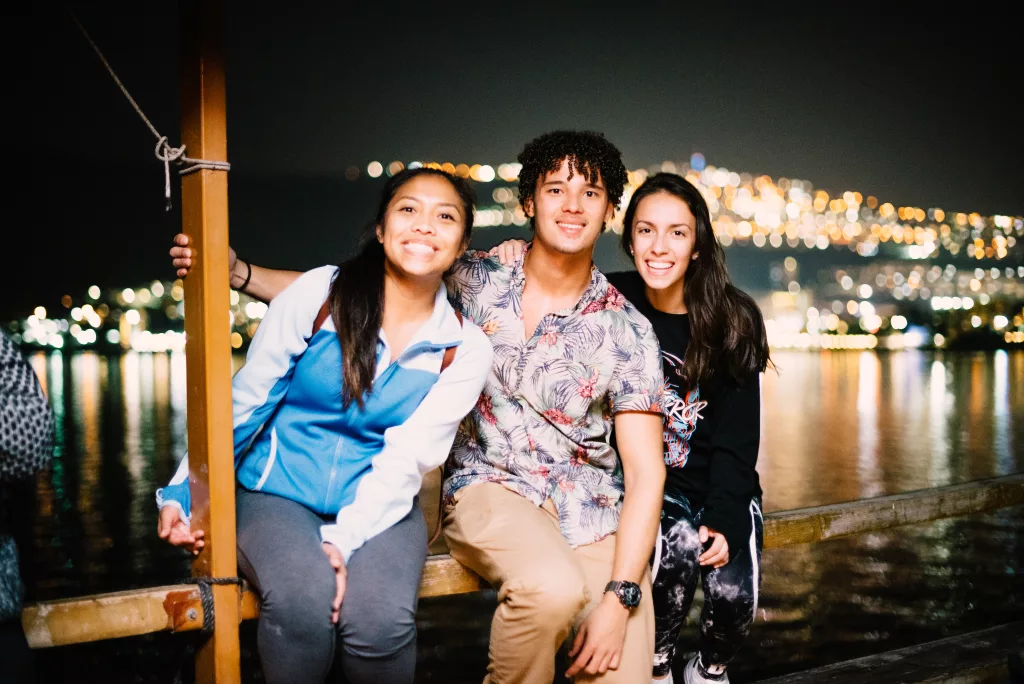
[(206, 596), (165, 153), (163, 150)]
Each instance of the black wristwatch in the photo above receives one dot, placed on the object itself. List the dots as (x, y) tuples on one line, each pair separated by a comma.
[(628, 593)]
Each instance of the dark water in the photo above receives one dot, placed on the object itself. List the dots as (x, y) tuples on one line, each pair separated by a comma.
[(838, 427)]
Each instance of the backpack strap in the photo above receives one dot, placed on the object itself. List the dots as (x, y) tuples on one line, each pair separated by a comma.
[(321, 316), (325, 311), (449, 356), (449, 352)]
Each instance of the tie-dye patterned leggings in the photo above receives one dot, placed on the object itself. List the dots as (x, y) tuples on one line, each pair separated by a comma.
[(730, 592)]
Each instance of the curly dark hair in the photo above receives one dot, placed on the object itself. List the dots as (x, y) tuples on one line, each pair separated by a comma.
[(589, 153)]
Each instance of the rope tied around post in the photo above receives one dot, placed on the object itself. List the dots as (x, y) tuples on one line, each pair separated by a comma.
[(167, 154), (163, 151), (206, 596)]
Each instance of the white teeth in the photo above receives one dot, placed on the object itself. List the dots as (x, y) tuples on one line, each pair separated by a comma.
[(419, 248), (659, 265), (570, 226)]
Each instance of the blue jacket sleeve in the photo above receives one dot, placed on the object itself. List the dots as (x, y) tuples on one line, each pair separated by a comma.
[(261, 383)]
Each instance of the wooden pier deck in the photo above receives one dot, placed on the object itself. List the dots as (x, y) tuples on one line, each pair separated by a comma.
[(981, 657), (177, 608)]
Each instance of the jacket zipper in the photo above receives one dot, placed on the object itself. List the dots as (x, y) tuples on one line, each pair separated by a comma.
[(383, 377), (270, 461), (334, 471)]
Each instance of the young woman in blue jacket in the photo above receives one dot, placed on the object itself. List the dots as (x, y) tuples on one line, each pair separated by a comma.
[(353, 388)]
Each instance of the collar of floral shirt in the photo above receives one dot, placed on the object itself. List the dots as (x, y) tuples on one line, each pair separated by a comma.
[(594, 291)]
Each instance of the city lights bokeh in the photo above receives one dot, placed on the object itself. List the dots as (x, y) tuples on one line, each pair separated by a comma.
[(901, 290)]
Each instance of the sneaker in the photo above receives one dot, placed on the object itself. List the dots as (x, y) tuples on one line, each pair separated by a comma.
[(694, 673)]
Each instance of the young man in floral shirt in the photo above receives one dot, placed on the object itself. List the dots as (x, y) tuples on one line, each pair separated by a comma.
[(534, 494)]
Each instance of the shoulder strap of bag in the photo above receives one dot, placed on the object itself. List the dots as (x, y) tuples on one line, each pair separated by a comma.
[(325, 311), (449, 352), (449, 356), (321, 316)]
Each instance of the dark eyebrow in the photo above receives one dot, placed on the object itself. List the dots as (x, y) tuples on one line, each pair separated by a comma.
[(414, 198), (456, 207), (674, 225), (559, 181)]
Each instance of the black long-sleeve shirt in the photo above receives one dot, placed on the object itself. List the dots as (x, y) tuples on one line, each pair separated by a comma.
[(712, 434)]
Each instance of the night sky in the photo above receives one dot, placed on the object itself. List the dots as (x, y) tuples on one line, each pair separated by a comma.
[(917, 107)]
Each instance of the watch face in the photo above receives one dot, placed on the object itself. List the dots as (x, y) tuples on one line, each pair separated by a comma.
[(631, 595)]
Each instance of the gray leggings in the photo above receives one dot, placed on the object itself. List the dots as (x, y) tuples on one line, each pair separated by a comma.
[(279, 553)]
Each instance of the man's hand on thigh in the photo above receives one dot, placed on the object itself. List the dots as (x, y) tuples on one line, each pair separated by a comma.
[(598, 644)]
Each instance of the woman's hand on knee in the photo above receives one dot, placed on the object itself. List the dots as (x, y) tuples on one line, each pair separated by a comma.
[(340, 576), (176, 531), (717, 554)]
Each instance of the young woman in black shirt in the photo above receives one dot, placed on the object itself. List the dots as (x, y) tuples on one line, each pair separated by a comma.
[(714, 348)]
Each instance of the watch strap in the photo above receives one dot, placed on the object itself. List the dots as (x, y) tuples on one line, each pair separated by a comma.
[(618, 588)]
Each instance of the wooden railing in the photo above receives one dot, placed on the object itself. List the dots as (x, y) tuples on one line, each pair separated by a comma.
[(177, 607)]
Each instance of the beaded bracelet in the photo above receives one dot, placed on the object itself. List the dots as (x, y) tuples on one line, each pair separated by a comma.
[(248, 275)]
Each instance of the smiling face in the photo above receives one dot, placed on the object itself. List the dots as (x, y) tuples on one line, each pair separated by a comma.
[(423, 231), (664, 235), (569, 213)]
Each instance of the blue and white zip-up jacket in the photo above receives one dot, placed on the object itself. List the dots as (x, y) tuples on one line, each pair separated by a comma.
[(294, 439)]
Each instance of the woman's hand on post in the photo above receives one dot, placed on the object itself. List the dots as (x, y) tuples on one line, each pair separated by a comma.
[(181, 258), (340, 576), (509, 251), (177, 532), (717, 554), (181, 255)]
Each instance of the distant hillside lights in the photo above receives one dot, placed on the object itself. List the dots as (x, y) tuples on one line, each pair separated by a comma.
[(842, 311), (855, 305), (126, 320), (792, 319), (862, 307), (936, 283), (767, 213), (809, 341)]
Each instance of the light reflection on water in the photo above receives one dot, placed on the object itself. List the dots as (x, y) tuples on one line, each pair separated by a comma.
[(867, 425), (838, 427)]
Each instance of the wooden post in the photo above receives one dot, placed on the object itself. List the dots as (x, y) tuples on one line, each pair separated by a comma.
[(204, 214)]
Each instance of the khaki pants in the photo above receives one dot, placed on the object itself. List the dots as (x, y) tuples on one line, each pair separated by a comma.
[(545, 587)]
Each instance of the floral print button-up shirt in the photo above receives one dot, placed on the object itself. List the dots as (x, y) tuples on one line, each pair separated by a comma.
[(542, 424)]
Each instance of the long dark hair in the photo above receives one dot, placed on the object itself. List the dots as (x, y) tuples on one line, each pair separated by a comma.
[(726, 326), (357, 293)]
